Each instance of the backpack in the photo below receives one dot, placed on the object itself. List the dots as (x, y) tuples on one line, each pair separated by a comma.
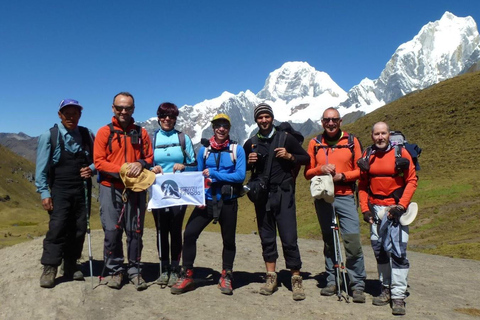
[(350, 145), (283, 129), (87, 143), (398, 141), (232, 149), (181, 143), (397, 138), (135, 135)]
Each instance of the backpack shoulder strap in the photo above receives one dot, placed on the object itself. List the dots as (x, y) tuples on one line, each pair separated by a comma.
[(398, 151), (110, 137), (318, 139), (87, 143), (233, 151), (54, 137), (181, 141), (282, 139), (139, 131)]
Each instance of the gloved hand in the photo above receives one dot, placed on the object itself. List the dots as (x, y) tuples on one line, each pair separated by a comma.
[(368, 217), (396, 212)]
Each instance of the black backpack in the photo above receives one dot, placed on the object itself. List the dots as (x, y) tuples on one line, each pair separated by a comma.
[(283, 129)]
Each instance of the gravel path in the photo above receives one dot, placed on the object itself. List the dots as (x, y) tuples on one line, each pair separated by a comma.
[(440, 287)]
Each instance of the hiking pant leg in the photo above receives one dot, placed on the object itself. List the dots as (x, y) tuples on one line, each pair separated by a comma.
[(176, 224), (350, 230), (324, 212), (55, 239), (111, 206), (134, 222), (267, 230), (199, 219), (383, 258), (400, 268), (228, 225), (286, 217), (77, 226), (162, 219)]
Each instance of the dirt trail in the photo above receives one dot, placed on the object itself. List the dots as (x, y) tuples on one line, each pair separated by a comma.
[(438, 287)]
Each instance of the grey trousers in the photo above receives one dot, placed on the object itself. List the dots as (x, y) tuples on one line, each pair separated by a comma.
[(117, 217), (349, 226)]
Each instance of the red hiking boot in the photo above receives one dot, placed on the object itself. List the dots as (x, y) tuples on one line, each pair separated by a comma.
[(225, 282), (184, 283)]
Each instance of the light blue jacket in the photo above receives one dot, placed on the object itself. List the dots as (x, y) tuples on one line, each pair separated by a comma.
[(73, 143)]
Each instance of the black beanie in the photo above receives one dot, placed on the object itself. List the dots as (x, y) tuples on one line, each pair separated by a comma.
[(262, 108)]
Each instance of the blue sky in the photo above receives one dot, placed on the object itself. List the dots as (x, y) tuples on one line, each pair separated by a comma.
[(187, 51)]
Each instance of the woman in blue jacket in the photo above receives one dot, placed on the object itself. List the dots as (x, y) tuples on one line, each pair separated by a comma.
[(223, 165), (173, 152)]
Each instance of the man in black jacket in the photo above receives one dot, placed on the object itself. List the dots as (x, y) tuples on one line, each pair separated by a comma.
[(277, 209)]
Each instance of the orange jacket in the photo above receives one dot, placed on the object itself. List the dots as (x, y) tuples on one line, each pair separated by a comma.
[(108, 163), (382, 179), (340, 157)]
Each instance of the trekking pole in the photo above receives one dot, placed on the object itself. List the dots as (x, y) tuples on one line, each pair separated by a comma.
[(139, 237), (87, 206), (338, 263), (159, 233)]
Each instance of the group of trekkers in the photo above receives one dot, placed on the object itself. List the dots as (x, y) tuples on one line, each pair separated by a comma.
[(70, 155)]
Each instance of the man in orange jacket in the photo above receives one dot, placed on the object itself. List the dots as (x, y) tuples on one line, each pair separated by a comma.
[(117, 143), (387, 184), (336, 152)]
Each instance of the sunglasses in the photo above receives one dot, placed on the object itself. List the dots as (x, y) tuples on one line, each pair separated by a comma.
[(327, 120), (164, 116), (221, 125), (120, 108)]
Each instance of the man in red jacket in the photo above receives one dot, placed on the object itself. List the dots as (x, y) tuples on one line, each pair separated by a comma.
[(336, 152), (387, 184), (117, 143)]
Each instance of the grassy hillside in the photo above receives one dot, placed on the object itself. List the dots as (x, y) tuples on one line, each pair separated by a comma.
[(442, 119)]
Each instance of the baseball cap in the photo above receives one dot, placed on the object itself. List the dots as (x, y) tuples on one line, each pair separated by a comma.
[(221, 116), (69, 102)]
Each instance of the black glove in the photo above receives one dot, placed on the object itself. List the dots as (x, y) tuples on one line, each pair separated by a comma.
[(367, 215), (396, 212)]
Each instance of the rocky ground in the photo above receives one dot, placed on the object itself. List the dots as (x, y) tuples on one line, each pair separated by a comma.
[(440, 287)]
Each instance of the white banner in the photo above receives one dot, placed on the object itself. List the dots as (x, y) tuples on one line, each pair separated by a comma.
[(176, 189)]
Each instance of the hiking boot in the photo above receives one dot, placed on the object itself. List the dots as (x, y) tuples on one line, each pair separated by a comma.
[(139, 283), (164, 277), (47, 279), (184, 283), (270, 285), (358, 296), (398, 307), (329, 290), (383, 298), (115, 281), (225, 282), (71, 271), (174, 274), (297, 288)]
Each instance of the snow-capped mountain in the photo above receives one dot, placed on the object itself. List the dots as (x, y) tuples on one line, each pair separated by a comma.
[(298, 93), (441, 50)]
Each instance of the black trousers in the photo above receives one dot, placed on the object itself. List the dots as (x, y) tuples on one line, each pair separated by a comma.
[(169, 222), (67, 226), (279, 212), (199, 219)]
